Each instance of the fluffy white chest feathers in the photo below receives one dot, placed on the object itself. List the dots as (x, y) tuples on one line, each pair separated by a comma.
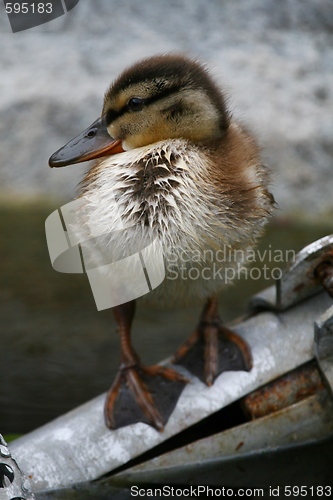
[(159, 191), (163, 187)]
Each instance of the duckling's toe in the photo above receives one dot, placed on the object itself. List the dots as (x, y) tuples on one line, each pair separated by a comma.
[(213, 349), (143, 394)]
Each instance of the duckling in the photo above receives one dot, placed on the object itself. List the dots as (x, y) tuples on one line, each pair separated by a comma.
[(174, 159)]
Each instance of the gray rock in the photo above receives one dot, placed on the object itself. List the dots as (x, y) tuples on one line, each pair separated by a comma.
[(275, 60)]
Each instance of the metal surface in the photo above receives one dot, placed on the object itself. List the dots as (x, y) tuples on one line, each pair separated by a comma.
[(257, 454), (306, 421), (78, 447), (324, 345), (324, 272), (299, 279), (13, 483), (264, 300)]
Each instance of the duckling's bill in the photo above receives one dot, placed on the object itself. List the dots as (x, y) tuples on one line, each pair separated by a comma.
[(92, 143)]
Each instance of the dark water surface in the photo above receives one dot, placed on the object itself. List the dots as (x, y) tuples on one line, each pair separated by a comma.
[(57, 350)]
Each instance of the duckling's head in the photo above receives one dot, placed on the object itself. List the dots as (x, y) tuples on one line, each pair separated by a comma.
[(159, 98), (164, 97)]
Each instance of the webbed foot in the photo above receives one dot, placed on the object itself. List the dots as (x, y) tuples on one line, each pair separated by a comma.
[(143, 394), (213, 348)]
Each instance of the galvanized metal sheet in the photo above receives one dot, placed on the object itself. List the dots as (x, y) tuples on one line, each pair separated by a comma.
[(306, 421), (324, 345), (299, 279)]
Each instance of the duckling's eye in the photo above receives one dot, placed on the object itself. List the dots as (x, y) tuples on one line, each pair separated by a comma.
[(135, 103)]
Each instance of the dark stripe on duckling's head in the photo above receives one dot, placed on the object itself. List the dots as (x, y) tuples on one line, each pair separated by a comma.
[(112, 114), (165, 75)]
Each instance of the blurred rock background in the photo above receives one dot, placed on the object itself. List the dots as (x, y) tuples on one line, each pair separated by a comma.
[(275, 60)]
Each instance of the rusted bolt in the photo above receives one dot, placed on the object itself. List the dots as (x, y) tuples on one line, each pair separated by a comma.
[(324, 273)]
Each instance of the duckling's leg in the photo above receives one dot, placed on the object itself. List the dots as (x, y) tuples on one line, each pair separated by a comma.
[(139, 393), (213, 348)]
